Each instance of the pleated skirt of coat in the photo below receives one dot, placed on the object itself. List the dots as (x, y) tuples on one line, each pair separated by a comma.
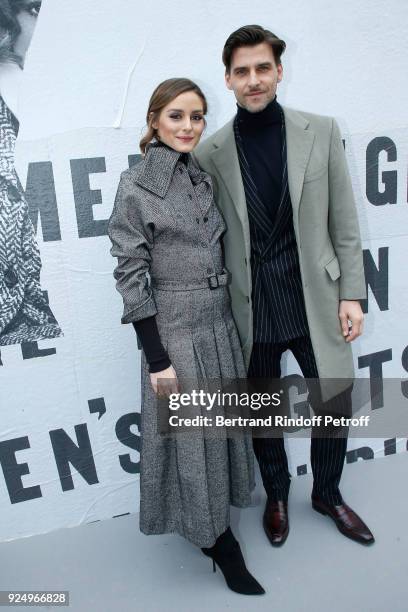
[(189, 480)]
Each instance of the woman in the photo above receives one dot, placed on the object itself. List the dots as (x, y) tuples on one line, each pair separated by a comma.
[(24, 312), (165, 223)]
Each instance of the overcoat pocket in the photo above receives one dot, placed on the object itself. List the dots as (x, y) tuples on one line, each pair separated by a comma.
[(333, 268)]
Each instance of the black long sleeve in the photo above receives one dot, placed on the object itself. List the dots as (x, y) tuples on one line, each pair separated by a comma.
[(149, 337)]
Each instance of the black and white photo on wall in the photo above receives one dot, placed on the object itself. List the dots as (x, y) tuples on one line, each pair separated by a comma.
[(25, 314)]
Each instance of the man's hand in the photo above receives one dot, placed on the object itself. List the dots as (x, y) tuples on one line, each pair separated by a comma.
[(350, 310)]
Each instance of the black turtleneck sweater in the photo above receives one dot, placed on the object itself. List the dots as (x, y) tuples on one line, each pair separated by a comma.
[(261, 135)]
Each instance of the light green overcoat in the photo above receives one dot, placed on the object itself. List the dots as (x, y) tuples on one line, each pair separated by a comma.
[(326, 228)]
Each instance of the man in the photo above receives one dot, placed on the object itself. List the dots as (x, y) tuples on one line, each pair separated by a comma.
[(293, 248)]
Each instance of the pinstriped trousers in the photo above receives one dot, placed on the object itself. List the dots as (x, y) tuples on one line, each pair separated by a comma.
[(326, 454)]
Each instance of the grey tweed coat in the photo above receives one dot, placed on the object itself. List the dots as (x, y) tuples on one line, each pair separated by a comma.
[(166, 234)]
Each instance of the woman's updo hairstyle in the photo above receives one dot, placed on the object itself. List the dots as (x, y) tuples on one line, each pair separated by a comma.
[(164, 93)]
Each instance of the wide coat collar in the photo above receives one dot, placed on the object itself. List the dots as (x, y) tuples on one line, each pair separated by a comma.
[(157, 168)]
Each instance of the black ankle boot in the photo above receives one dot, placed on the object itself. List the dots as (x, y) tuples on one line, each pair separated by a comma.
[(226, 553)]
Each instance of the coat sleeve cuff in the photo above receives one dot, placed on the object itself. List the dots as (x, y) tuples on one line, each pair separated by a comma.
[(352, 298), (356, 293), (146, 309)]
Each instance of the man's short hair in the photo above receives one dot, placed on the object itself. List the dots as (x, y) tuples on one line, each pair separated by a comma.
[(248, 36)]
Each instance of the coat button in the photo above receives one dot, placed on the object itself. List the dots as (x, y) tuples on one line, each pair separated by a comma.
[(180, 169), (13, 193), (10, 278), (205, 219), (210, 270), (198, 219)]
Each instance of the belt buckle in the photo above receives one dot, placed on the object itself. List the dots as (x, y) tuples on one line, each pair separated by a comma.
[(211, 285)]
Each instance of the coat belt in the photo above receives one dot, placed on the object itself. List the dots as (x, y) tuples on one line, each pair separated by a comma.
[(211, 281)]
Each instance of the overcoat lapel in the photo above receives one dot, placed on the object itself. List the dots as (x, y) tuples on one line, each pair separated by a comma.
[(225, 158), (299, 142)]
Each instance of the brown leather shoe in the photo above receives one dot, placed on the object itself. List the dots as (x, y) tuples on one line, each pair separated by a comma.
[(276, 522), (347, 521)]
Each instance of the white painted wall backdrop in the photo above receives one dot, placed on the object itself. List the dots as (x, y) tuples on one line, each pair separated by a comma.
[(90, 71)]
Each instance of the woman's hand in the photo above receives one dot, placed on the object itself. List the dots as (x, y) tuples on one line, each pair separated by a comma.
[(165, 382)]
